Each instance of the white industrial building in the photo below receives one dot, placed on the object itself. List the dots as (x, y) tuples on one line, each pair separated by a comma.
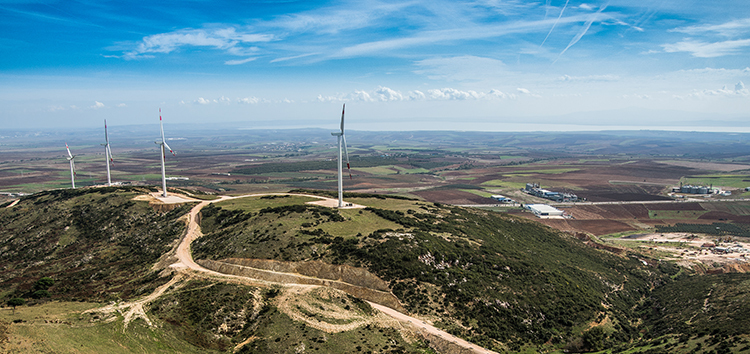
[(544, 211)]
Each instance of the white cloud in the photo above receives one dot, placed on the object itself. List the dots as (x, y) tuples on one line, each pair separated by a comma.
[(121, 105), (97, 105), (239, 62), (416, 95), (585, 6), (523, 90), (249, 100), (727, 29), (452, 94), (202, 100), (739, 91), (701, 49), (385, 94), (229, 40)]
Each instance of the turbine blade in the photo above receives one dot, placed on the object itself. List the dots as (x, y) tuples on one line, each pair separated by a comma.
[(161, 126), (73, 163), (106, 135), (111, 160), (67, 148), (170, 149), (342, 118), (346, 153)]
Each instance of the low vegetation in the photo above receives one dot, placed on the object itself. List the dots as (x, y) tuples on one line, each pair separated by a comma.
[(506, 283), (84, 244)]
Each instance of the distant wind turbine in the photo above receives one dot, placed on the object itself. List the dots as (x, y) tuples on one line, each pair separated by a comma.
[(107, 153), (163, 145), (71, 158), (342, 137)]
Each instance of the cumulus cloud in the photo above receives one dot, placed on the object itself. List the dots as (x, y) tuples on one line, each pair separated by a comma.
[(385, 94), (585, 6), (202, 100), (249, 100), (739, 91), (97, 105), (231, 40), (121, 105)]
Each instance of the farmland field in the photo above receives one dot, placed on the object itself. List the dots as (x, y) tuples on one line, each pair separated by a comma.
[(440, 167)]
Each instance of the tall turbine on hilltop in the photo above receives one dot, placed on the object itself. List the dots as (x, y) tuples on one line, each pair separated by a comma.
[(342, 137), (163, 145), (107, 153), (71, 158)]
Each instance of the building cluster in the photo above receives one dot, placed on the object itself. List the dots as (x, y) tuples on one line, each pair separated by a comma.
[(691, 189), (502, 199), (533, 189)]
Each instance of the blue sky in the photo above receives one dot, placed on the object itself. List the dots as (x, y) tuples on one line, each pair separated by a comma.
[(462, 65)]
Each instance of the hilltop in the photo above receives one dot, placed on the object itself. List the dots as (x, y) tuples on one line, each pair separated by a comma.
[(500, 281)]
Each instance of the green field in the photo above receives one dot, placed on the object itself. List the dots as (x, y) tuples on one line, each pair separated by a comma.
[(718, 180)]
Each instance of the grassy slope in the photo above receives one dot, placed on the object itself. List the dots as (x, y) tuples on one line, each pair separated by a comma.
[(491, 278), (97, 244)]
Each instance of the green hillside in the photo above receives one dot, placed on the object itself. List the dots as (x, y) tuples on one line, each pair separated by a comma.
[(97, 244), (498, 280), (506, 283)]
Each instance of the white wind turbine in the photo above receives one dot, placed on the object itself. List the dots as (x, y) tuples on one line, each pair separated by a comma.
[(107, 153), (342, 137), (71, 157), (163, 145)]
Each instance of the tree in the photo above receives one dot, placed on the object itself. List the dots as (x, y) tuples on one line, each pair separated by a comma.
[(16, 301), (44, 283)]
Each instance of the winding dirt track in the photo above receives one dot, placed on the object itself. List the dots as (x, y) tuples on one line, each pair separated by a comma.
[(185, 261)]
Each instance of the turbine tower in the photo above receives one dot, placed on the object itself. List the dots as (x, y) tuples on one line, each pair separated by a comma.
[(107, 153), (342, 137), (163, 145), (71, 157)]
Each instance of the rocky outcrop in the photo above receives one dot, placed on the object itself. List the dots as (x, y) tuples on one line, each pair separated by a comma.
[(283, 272)]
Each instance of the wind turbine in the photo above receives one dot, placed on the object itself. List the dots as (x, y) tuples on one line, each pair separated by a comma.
[(107, 153), (341, 137), (71, 157), (163, 145)]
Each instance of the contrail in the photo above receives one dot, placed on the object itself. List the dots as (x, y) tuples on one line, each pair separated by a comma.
[(554, 24), (580, 34)]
